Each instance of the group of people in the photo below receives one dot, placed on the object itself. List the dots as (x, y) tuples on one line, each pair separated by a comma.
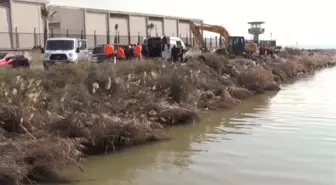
[(135, 52), (121, 53), (265, 50)]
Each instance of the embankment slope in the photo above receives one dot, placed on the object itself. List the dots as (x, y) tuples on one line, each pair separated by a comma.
[(49, 120)]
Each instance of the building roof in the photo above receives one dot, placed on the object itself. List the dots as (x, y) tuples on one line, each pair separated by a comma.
[(63, 38), (126, 13), (256, 22), (34, 1)]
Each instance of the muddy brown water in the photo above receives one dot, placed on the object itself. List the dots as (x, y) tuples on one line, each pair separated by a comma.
[(288, 138)]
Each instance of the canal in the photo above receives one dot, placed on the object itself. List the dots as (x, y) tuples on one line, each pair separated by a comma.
[(283, 138)]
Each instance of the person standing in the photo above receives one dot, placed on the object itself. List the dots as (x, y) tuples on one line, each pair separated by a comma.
[(137, 51), (132, 51), (180, 53), (109, 51), (121, 53), (174, 53), (261, 50)]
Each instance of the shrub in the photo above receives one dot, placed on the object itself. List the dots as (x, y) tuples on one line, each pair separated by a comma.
[(255, 78)]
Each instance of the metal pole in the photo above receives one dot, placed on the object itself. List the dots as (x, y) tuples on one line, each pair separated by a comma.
[(39, 22), (156, 33)]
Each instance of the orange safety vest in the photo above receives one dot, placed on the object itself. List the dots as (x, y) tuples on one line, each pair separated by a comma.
[(121, 52), (108, 49), (137, 50)]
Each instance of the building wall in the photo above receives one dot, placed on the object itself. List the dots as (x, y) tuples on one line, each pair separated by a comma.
[(137, 26), (185, 31), (55, 29), (96, 22), (5, 40), (4, 17), (24, 15), (26, 23), (122, 21), (170, 27), (159, 26), (71, 19)]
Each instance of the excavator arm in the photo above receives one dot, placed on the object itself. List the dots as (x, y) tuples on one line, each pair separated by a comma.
[(199, 37), (224, 33)]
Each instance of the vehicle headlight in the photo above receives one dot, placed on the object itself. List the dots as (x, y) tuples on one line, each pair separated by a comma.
[(70, 55), (46, 55)]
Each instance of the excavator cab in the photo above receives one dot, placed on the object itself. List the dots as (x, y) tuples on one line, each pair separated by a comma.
[(236, 45)]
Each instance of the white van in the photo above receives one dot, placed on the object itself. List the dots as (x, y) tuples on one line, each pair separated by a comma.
[(64, 50), (172, 41), (161, 46)]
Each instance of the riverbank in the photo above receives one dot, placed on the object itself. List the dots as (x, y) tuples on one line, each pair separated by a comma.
[(50, 120)]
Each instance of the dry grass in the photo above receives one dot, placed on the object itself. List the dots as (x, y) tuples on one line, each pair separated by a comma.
[(49, 119), (255, 78)]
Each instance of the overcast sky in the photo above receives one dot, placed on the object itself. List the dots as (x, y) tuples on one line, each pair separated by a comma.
[(309, 23)]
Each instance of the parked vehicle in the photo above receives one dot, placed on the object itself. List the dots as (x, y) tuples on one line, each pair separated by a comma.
[(98, 55), (14, 60), (155, 47), (64, 50)]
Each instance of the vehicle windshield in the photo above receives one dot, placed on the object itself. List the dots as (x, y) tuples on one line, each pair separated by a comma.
[(2, 55), (98, 50), (60, 45)]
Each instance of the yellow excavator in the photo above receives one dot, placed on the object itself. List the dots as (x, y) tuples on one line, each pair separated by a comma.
[(232, 44)]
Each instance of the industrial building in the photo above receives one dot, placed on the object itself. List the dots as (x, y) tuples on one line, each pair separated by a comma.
[(21, 16), (22, 26)]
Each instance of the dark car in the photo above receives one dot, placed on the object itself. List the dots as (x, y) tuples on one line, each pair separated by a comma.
[(98, 54), (13, 59)]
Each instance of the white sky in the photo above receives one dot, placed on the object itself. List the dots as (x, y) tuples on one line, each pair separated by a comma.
[(309, 23)]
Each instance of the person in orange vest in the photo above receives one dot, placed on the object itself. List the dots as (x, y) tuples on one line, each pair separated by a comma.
[(109, 50), (121, 53), (137, 51)]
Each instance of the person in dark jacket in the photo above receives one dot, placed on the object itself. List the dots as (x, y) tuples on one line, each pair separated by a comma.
[(180, 53), (175, 53), (262, 50), (129, 52)]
